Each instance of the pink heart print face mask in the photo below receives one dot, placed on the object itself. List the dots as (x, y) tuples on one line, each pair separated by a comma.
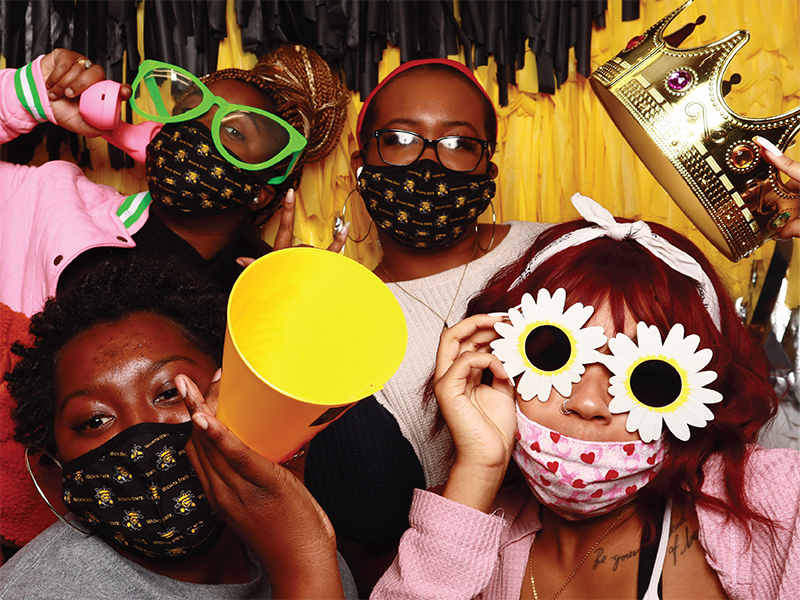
[(576, 478)]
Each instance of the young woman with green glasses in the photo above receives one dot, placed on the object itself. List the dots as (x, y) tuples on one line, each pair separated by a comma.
[(247, 137), (232, 147)]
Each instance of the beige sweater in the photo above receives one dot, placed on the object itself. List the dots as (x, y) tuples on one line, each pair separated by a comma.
[(402, 395)]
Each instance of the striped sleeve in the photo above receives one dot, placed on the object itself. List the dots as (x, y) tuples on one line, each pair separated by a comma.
[(132, 208), (32, 92)]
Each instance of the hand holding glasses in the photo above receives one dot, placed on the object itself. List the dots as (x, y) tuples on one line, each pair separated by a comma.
[(248, 137)]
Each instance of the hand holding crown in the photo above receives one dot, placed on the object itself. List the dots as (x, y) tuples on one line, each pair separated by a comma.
[(790, 168)]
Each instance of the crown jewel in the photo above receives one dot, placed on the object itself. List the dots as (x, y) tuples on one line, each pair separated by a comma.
[(668, 103)]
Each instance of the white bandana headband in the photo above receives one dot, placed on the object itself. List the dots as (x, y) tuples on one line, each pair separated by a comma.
[(607, 226)]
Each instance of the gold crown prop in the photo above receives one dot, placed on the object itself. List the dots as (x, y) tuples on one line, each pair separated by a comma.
[(668, 103)]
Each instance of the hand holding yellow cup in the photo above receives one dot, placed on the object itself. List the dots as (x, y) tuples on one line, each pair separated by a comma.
[(309, 333)]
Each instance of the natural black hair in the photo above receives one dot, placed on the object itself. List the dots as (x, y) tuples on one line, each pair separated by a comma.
[(489, 114), (107, 293)]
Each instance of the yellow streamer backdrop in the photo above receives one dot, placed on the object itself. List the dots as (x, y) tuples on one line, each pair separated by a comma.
[(552, 146)]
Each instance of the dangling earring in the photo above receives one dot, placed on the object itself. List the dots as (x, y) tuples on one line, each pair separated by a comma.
[(339, 221), (494, 230), (41, 493)]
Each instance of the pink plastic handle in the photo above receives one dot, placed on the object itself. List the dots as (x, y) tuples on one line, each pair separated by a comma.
[(100, 107)]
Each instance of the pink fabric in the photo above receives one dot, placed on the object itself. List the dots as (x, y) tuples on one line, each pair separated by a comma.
[(769, 567), (578, 478), (453, 552), (50, 214)]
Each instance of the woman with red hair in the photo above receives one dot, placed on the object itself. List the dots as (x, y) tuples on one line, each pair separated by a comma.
[(611, 365)]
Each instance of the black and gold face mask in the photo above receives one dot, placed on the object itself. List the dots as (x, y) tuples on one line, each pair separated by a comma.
[(186, 174), (424, 205), (139, 490)]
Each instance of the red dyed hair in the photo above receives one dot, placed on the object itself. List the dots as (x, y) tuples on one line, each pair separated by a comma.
[(629, 276)]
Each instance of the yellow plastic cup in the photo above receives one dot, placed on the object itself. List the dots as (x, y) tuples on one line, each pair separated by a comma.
[(309, 333)]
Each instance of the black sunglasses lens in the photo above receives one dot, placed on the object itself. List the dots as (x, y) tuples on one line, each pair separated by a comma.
[(548, 348), (656, 383)]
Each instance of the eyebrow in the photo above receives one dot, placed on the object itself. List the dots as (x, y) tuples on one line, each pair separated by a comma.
[(152, 369), (407, 121)]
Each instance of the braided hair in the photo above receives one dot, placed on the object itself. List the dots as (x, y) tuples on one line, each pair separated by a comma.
[(108, 293), (305, 93)]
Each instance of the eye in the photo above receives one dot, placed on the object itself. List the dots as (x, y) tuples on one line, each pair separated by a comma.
[(94, 422), (547, 343), (398, 138), (169, 395), (232, 132), (460, 144)]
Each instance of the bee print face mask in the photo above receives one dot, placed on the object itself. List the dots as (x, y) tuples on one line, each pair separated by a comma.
[(139, 491)]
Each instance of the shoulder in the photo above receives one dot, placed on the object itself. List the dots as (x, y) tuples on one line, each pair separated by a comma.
[(772, 480), (526, 229), (757, 560), (521, 236), (59, 562)]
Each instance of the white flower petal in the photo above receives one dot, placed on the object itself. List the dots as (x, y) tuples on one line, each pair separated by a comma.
[(635, 418), (530, 311), (649, 339), (706, 396), (701, 359), (614, 364), (518, 322), (527, 385), (677, 425), (696, 414), (674, 342), (514, 367), (650, 427), (577, 315), (563, 384), (620, 405), (544, 388), (624, 348), (702, 379), (509, 332)]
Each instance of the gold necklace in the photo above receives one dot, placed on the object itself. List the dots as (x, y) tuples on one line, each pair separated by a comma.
[(425, 304), (580, 564)]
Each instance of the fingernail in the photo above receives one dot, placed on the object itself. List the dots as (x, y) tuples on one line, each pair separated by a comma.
[(240, 262), (217, 375), (52, 95), (200, 420), (181, 385), (69, 93), (768, 146)]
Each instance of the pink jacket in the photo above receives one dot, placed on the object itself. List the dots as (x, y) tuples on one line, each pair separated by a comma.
[(452, 551), (52, 213)]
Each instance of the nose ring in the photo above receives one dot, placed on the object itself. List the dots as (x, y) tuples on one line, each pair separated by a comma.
[(564, 409)]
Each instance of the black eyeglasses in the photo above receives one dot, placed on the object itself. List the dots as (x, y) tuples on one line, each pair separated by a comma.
[(399, 148)]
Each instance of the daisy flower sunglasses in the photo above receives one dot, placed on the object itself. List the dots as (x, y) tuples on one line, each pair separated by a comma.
[(655, 381)]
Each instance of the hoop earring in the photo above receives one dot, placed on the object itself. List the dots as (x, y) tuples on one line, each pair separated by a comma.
[(41, 492), (338, 222), (494, 230)]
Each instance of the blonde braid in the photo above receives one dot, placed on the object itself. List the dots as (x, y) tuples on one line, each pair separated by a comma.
[(307, 94)]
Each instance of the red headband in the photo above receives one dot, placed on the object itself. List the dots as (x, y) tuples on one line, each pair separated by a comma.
[(415, 63)]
